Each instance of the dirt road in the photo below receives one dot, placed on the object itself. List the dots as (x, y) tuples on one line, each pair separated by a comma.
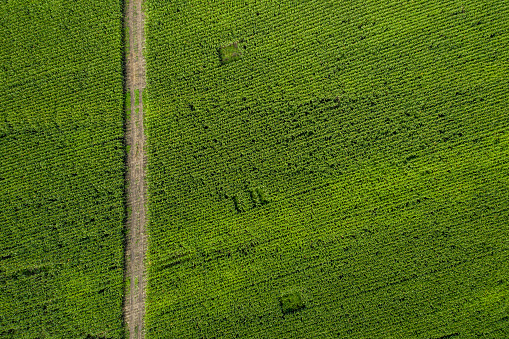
[(136, 188)]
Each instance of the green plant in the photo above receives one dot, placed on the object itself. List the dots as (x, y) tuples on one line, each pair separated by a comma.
[(385, 197), (229, 53), (62, 176), (291, 302), (136, 97)]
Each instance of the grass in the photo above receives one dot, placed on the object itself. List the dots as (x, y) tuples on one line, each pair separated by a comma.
[(136, 97), (144, 99), (229, 53)]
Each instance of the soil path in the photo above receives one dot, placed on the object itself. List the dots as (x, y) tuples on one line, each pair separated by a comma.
[(134, 305)]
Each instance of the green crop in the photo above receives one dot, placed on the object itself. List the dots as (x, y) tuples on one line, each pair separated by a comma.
[(345, 175), (379, 134), (291, 302), (62, 207)]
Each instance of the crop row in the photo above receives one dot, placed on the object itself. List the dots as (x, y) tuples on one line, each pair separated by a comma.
[(377, 133), (62, 207)]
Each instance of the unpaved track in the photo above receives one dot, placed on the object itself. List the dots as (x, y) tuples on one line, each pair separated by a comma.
[(134, 305)]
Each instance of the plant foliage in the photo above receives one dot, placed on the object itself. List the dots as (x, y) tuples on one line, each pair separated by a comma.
[(379, 133), (62, 169), (229, 53), (291, 302)]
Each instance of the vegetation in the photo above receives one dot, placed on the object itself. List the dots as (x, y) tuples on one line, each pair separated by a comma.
[(62, 169), (229, 53), (379, 134), (291, 302), (345, 176)]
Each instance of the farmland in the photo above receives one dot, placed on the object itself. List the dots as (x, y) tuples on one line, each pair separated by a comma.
[(327, 169), (62, 209), (316, 169)]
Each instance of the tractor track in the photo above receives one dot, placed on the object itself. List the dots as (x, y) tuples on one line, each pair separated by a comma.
[(136, 243)]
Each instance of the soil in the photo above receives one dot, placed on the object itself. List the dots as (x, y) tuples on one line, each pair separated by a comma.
[(134, 304)]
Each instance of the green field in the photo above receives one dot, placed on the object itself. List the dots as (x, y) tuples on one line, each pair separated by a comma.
[(316, 169), (61, 169), (333, 169)]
